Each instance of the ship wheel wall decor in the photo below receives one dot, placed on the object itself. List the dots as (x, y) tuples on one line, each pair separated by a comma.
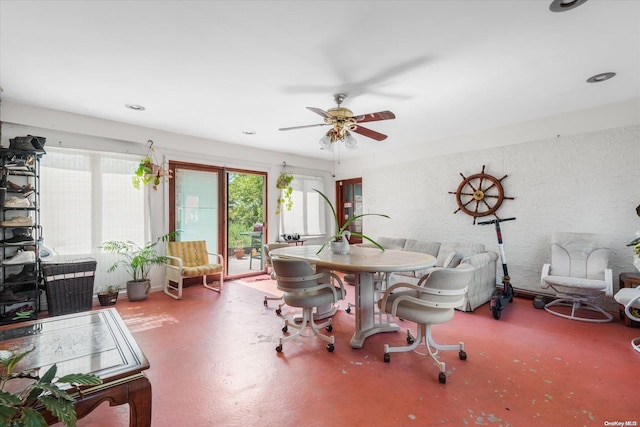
[(480, 195)]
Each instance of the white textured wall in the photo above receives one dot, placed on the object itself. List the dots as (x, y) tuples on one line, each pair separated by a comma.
[(582, 183)]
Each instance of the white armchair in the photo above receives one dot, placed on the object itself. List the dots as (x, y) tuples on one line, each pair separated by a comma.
[(579, 276), (630, 298)]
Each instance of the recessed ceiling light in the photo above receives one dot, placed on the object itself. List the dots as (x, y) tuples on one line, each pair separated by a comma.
[(135, 107), (562, 5), (600, 77), (249, 132)]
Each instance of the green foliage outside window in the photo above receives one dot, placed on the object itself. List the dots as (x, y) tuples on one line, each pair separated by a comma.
[(246, 202)]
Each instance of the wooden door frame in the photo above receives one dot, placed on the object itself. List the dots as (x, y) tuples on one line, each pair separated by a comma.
[(340, 205), (222, 194)]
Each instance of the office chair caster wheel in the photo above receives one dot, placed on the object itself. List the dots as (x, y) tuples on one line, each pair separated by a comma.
[(278, 311), (410, 339), (279, 348), (462, 355), (348, 309), (265, 302), (285, 328), (387, 357), (330, 348), (442, 378), (329, 328)]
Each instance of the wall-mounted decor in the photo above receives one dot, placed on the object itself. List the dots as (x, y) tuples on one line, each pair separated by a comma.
[(480, 195)]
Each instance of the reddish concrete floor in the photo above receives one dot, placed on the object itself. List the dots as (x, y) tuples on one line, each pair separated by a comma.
[(213, 363)]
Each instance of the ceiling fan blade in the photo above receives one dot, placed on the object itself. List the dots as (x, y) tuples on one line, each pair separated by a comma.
[(372, 117), (320, 112), (370, 133), (304, 126)]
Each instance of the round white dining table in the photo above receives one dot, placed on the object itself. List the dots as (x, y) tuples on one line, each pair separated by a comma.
[(364, 263)]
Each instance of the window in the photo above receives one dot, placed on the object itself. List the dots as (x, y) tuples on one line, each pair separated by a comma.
[(86, 198), (307, 216)]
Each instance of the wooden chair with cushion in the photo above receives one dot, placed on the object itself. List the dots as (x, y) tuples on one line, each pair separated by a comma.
[(191, 259)]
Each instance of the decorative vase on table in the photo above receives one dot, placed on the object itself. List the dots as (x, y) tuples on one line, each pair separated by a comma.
[(341, 247)]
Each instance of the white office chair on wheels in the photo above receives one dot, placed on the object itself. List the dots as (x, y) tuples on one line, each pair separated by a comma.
[(432, 301), (630, 298), (267, 263), (579, 274), (303, 288)]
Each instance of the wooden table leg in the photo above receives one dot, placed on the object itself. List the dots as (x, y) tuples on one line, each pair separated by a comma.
[(135, 390), (140, 403)]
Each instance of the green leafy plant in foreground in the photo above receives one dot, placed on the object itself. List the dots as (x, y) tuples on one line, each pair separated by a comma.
[(340, 231), (19, 409)]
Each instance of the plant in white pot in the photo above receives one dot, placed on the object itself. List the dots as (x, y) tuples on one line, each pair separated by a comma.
[(339, 242), (137, 261)]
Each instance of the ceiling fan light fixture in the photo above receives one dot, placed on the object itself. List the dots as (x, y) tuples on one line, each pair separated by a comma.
[(325, 142), (349, 141)]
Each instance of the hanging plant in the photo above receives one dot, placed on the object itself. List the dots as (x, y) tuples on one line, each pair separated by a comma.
[(286, 192), (149, 171)]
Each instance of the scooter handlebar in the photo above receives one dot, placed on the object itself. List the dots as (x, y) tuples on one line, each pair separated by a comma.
[(493, 221)]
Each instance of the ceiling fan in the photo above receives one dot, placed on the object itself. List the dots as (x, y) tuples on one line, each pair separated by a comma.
[(343, 122)]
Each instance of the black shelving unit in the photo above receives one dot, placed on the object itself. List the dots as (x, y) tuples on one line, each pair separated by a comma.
[(20, 274)]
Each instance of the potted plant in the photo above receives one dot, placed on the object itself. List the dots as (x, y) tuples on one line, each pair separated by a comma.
[(339, 241), (150, 172), (238, 250), (137, 261), (286, 192), (108, 296), (18, 409)]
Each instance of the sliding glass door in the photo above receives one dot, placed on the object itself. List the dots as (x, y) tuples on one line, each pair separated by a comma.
[(223, 207), (195, 200), (246, 230)]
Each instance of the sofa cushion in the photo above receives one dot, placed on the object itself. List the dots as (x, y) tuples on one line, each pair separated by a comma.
[(462, 249), (422, 246), (453, 260), (391, 242)]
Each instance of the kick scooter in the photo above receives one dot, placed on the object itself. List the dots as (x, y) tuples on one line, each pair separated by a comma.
[(502, 296)]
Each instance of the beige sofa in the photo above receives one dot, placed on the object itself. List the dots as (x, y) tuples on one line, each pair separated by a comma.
[(450, 255)]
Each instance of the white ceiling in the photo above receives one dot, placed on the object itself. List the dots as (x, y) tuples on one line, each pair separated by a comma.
[(214, 69)]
